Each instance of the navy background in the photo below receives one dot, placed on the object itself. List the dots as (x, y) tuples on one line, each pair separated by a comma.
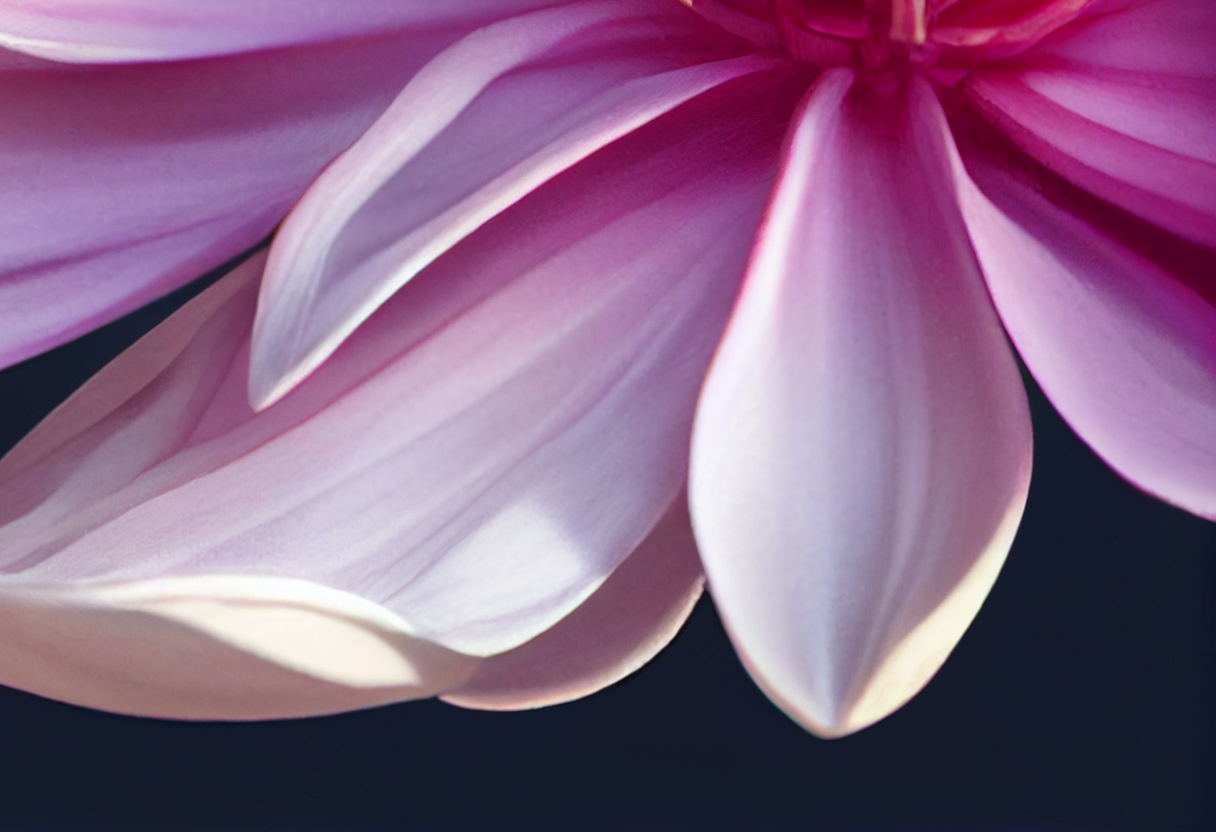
[(1081, 699)]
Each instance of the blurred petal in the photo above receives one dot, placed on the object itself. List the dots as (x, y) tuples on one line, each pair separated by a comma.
[(1125, 352), (205, 648), (122, 183), (1162, 171), (486, 122), (862, 448), (629, 619), (478, 458), (99, 31)]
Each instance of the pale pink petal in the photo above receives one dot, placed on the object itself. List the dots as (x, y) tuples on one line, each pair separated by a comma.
[(201, 648), (1124, 351), (122, 183), (99, 31), (478, 457), (862, 448), (629, 619), (1163, 172), (485, 123)]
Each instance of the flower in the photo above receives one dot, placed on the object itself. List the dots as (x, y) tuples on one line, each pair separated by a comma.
[(798, 231)]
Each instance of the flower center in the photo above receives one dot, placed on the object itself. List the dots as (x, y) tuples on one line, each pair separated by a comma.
[(890, 38)]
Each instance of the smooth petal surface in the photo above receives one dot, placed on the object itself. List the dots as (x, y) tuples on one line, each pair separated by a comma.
[(478, 458), (629, 619), (485, 123), (862, 448), (123, 182), (99, 31), (1126, 353)]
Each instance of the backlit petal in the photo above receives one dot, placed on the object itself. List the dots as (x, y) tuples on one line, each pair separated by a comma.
[(862, 448)]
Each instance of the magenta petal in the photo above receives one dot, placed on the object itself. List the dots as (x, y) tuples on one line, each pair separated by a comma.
[(1162, 171), (100, 31), (628, 620), (476, 460), (482, 125), (1124, 351), (862, 448), (122, 183)]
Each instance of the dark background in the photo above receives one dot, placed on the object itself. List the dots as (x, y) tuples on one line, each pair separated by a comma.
[(1081, 699)]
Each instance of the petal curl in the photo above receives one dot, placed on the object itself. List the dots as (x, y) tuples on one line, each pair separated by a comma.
[(629, 619), (1125, 352), (478, 458), (482, 125), (862, 448), (122, 183)]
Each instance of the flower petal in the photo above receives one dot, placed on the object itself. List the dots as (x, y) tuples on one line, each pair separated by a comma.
[(206, 648), (479, 457), (122, 183), (100, 31), (1158, 172), (1125, 352), (629, 619), (1171, 38), (482, 125), (862, 448)]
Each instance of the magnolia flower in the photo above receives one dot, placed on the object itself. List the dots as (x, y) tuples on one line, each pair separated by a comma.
[(796, 231)]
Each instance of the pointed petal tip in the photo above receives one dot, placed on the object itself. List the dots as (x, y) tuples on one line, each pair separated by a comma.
[(268, 384), (908, 666)]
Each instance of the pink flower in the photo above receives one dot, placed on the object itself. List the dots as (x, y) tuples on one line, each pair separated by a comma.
[(799, 229)]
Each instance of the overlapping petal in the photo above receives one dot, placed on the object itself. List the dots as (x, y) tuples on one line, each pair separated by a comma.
[(475, 461), (482, 125), (480, 337), (862, 448)]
